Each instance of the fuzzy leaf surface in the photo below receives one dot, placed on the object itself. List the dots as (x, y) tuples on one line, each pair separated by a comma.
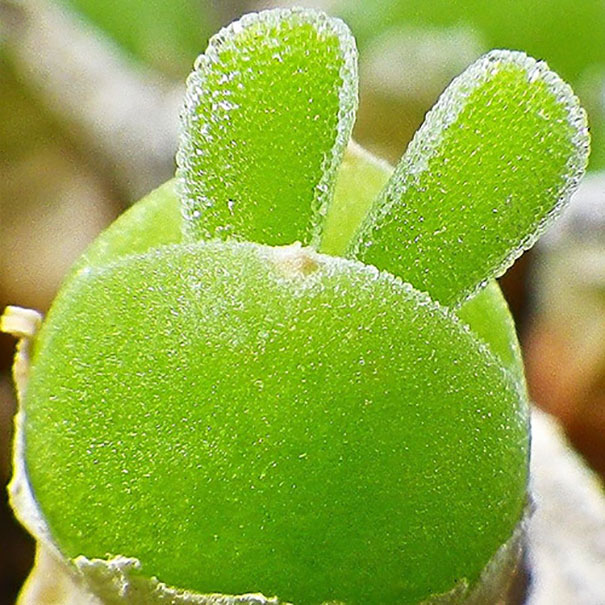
[(156, 221), (488, 316), (496, 159), (360, 179), (310, 428), (268, 113)]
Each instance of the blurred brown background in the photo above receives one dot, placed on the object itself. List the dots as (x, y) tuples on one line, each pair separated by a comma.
[(90, 91)]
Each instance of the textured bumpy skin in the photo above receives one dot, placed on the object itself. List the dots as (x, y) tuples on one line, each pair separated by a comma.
[(268, 114), (494, 162), (250, 404), (155, 220), (243, 418)]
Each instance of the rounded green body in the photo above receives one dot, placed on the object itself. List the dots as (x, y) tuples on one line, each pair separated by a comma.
[(249, 419)]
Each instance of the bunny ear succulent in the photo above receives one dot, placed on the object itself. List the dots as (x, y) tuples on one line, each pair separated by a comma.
[(495, 160), (268, 113), (268, 394)]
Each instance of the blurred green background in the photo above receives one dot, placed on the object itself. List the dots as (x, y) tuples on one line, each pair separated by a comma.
[(90, 92)]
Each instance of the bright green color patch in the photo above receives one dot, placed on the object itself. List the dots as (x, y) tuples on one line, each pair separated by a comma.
[(244, 418), (268, 114), (153, 221), (156, 221), (251, 411), (488, 316), (361, 177), (493, 163), (568, 33)]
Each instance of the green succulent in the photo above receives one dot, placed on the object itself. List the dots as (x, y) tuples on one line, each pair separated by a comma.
[(566, 32), (288, 371)]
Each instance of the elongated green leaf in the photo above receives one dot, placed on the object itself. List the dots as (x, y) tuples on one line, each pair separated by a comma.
[(156, 221), (360, 178), (267, 116), (495, 161), (308, 427)]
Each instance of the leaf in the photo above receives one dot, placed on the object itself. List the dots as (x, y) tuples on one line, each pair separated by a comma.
[(360, 178), (488, 316), (153, 221), (495, 161), (308, 427), (268, 113), (156, 221)]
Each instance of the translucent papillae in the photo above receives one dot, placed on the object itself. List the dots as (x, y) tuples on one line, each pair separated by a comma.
[(308, 426), (492, 165), (251, 402), (267, 116)]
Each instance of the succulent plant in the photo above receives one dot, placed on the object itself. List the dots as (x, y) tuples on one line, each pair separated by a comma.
[(289, 372)]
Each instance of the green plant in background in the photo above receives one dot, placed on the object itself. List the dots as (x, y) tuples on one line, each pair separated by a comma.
[(548, 28), (566, 33), (163, 34), (288, 372)]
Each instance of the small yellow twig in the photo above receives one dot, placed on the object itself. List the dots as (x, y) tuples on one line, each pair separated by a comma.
[(24, 324)]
